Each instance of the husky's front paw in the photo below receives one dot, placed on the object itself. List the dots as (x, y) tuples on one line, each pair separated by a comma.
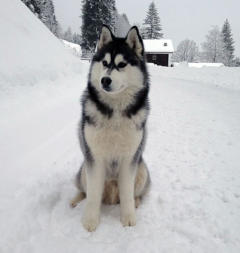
[(128, 219), (90, 221)]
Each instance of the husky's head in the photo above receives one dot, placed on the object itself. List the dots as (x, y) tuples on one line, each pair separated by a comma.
[(119, 64)]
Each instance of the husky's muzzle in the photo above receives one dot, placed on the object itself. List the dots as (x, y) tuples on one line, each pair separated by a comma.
[(106, 83)]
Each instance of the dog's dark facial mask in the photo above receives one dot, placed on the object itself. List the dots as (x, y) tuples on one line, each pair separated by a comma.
[(119, 62)]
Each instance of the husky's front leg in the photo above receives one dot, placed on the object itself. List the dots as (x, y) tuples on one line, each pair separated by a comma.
[(95, 184), (127, 202)]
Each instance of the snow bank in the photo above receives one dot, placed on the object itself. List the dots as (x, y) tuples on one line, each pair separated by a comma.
[(205, 64), (224, 77), (29, 52), (198, 64), (75, 48)]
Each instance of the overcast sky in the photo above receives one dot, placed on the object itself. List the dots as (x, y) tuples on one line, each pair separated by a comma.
[(180, 19)]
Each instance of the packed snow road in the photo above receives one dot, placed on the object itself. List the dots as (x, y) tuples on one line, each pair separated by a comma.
[(192, 152)]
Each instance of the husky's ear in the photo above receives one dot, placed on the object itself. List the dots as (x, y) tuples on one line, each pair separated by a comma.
[(105, 37), (134, 41)]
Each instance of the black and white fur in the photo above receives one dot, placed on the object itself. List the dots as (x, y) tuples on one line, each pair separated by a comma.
[(113, 128)]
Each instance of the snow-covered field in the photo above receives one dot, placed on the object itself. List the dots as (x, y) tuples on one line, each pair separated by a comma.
[(193, 153)]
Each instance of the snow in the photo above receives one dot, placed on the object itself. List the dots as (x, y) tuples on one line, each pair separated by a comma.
[(158, 46), (75, 48), (192, 152), (205, 64), (198, 64), (225, 77), (23, 38)]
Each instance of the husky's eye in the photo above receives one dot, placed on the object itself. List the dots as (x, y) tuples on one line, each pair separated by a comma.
[(105, 63), (121, 65)]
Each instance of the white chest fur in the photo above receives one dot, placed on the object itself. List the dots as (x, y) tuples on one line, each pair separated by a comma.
[(113, 139)]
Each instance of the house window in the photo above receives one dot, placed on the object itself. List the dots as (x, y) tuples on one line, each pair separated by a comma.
[(165, 44), (154, 57)]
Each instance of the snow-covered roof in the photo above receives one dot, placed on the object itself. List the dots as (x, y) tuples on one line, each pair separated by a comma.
[(158, 46)]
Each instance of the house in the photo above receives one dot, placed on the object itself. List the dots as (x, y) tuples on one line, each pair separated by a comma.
[(159, 51)]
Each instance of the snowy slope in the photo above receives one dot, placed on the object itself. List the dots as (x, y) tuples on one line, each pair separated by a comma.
[(192, 152), (25, 47), (74, 48), (34, 65)]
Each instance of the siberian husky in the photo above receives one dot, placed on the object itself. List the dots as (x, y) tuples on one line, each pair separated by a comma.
[(112, 130)]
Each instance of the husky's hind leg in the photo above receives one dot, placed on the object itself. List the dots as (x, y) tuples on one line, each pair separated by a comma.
[(80, 182), (79, 197), (137, 201), (142, 182)]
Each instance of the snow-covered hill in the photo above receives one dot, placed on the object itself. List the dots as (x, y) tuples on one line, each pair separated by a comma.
[(29, 52)]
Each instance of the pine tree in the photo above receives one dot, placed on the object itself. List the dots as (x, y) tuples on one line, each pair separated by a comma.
[(59, 31), (33, 5), (44, 10), (90, 25), (213, 47), (151, 26), (108, 13), (68, 35), (77, 38), (95, 13), (48, 15), (228, 43)]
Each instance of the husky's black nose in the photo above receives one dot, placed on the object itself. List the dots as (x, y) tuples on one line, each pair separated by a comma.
[(106, 81)]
